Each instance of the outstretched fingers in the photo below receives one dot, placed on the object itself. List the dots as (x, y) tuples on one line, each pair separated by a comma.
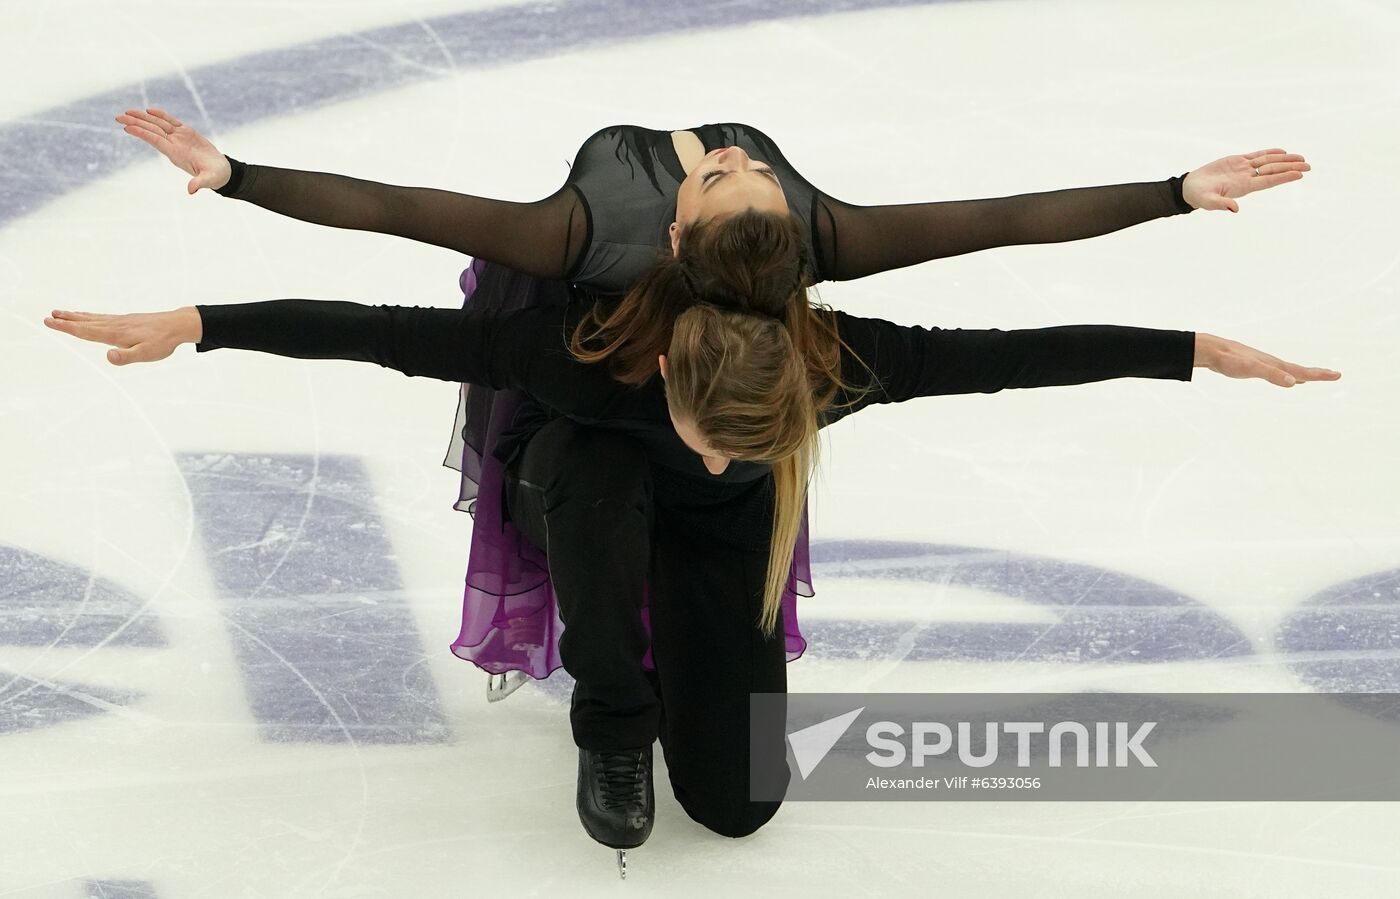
[(165, 116), (1276, 159), (1273, 374), (153, 136), (1287, 374), (145, 121), (1264, 182), (153, 122), (1305, 373), (1235, 360), (1275, 167), (96, 328), (132, 338)]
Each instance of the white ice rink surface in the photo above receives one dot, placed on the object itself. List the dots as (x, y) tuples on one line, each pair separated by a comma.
[(139, 751)]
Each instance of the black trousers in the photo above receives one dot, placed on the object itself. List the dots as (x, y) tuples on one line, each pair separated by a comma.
[(584, 496)]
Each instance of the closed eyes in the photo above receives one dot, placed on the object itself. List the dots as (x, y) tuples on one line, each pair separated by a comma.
[(706, 178)]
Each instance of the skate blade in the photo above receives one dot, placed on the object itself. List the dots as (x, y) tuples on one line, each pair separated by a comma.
[(622, 863), (499, 686)]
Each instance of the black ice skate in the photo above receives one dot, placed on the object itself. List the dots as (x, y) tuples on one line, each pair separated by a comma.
[(616, 802)]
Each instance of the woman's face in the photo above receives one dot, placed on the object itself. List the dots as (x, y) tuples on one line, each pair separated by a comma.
[(725, 182)]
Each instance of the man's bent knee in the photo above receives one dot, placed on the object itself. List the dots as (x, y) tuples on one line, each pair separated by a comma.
[(735, 821)]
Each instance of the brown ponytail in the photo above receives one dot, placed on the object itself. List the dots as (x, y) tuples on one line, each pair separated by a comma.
[(752, 261)]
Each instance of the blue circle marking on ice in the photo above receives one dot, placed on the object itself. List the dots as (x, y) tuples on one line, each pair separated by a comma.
[(1346, 638), (1101, 616), (69, 146), (52, 604)]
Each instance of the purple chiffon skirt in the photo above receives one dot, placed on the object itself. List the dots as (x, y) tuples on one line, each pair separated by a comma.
[(510, 620)]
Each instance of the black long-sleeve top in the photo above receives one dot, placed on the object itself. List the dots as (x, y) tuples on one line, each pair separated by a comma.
[(527, 350), (607, 223)]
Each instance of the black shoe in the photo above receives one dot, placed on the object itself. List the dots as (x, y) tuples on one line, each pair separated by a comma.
[(616, 802)]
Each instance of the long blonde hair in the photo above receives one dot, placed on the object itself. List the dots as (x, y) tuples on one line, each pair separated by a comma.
[(737, 378)]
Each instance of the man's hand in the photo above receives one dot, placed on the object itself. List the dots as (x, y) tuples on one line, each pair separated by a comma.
[(1235, 360), (138, 337)]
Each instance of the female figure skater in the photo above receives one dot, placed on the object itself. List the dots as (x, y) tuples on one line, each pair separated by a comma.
[(616, 226), (634, 497), (631, 192)]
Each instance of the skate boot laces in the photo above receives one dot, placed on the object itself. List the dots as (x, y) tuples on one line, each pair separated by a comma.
[(621, 777)]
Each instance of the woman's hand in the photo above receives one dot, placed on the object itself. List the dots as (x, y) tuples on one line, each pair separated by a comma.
[(181, 144), (139, 337), (1235, 360), (1217, 184)]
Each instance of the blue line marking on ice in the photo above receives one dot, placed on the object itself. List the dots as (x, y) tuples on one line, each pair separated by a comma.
[(326, 643), (28, 703), (53, 603), (1101, 615), (119, 889), (1346, 639)]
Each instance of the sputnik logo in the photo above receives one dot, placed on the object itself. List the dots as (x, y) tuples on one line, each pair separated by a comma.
[(811, 744)]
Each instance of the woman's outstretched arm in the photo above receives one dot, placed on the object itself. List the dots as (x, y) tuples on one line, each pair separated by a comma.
[(861, 240), (543, 238)]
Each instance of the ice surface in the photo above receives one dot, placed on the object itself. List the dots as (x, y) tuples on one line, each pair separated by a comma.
[(229, 581)]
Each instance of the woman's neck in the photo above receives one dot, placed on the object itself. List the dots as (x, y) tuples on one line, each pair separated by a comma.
[(689, 149)]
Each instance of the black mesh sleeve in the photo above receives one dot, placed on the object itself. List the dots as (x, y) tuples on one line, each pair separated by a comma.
[(544, 238), (855, 241)]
